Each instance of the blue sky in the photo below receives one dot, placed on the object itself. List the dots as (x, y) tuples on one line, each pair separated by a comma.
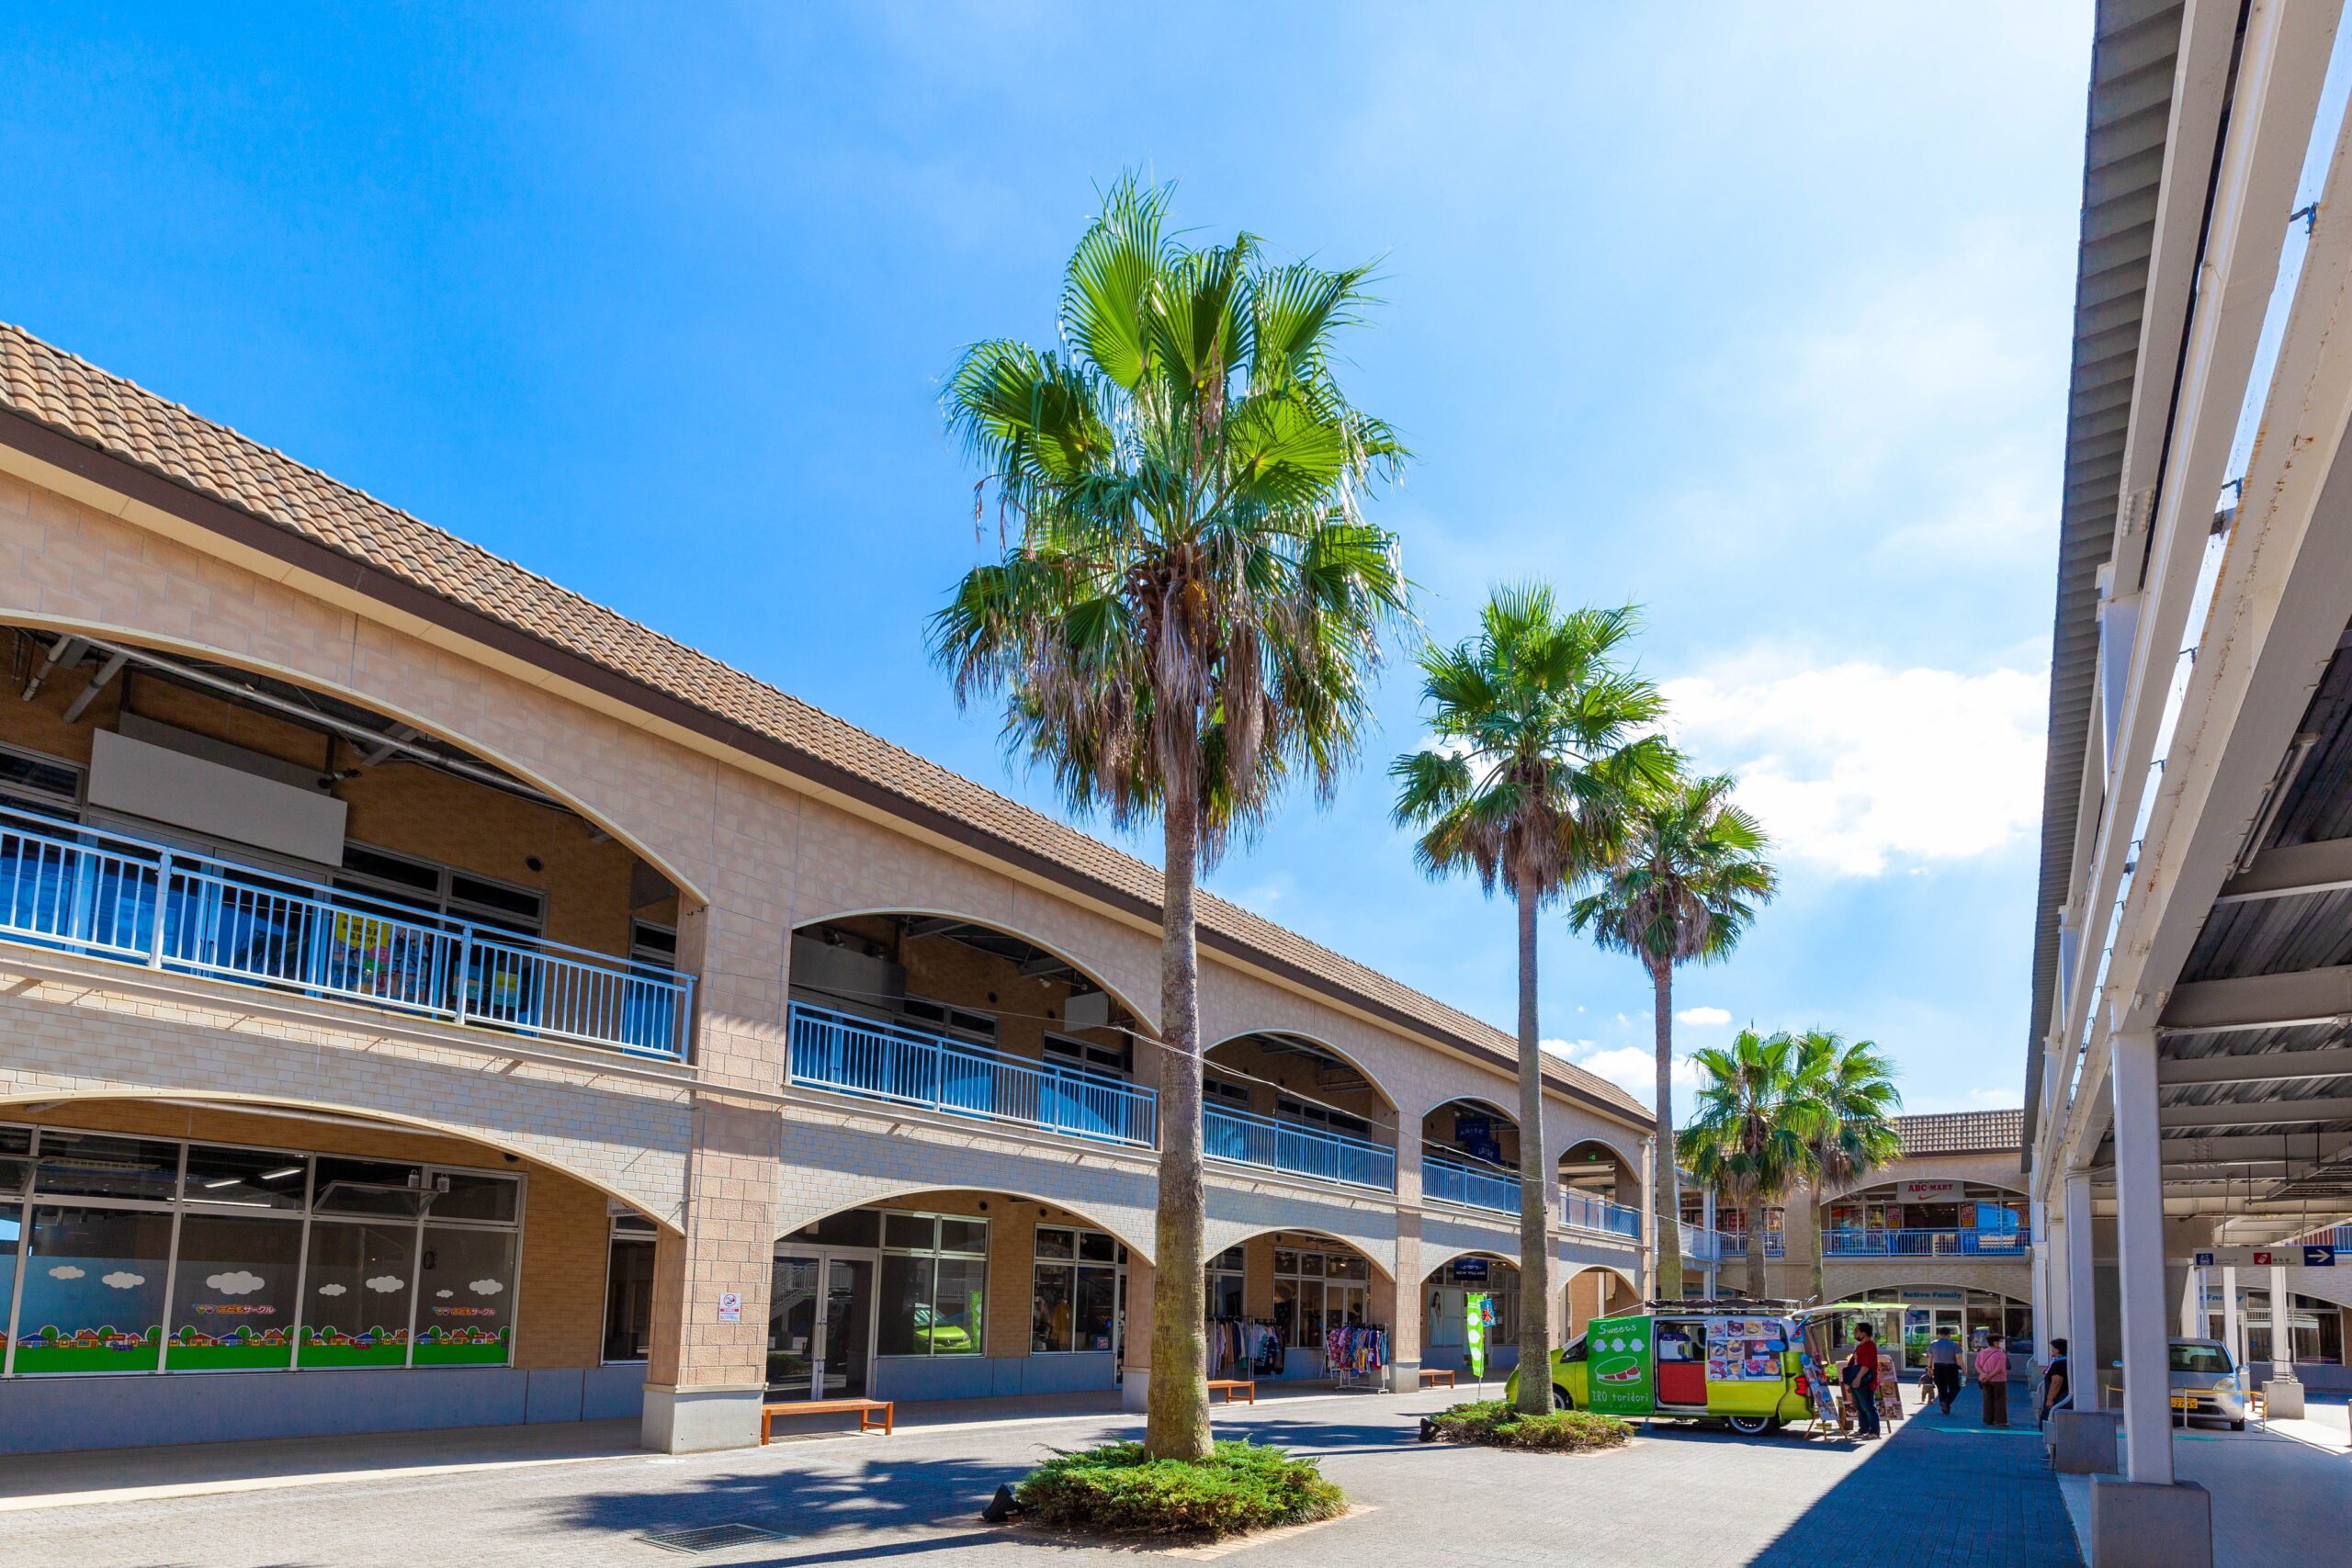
[(1756, 319)]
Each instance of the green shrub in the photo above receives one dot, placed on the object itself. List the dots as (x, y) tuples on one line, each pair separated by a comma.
[(1114, 1490), (1500, 1425)]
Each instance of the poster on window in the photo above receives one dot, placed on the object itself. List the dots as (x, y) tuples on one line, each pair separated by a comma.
[(1744, 1349)]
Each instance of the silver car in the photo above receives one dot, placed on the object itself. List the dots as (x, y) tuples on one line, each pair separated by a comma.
[(2206, 1385)]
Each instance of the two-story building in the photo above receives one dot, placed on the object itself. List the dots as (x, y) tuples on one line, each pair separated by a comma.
[(430, 999)]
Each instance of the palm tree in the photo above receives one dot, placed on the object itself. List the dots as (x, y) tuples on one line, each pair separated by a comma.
[(1538, 746), (1850, 1098), (1685, 889), (1748, 1138), (1187, 605)]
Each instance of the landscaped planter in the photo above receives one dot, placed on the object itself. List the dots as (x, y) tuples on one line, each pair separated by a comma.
[(1114, 1490)]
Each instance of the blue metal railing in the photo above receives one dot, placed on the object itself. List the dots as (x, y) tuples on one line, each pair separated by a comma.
[(879, 1060), (1241, 1137), (1582, 1211), (1447, 1180), (111, 895), (1926, 1243), (1701, 1244), (1735, 1244)]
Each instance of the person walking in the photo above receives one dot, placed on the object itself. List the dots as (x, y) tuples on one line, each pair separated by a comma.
[(1943, 1366), (2057, 1391), (1992, 1380), (1862, 1367)]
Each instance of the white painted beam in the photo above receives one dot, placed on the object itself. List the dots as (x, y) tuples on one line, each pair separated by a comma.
[(2268, 1068), (2292, 871), (2258, 1114), (2260, 1001)]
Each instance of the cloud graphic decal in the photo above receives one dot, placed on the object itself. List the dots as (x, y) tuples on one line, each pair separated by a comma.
[(486, 1287), (384, 1284), (65, 1271), (331, 1290), (445, 1295), (122, 1279), (236, 1283)]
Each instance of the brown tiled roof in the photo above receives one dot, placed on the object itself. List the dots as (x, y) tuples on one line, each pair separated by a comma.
[(1962, 1133), (105, 412)]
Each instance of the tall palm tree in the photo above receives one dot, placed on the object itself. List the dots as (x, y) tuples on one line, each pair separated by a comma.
[(1850, 1099), (1187, 605), (1686, 888), (1539, 743), (1747, 1134)]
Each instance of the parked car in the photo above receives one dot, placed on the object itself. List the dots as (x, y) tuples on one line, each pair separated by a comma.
[(2206, 1384)]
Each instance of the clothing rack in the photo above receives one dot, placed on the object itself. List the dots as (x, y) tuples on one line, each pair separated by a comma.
[(1356, 1355), (1252, 1344)]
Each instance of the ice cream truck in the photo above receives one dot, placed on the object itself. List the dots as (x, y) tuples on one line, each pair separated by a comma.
[(1751, 1365)]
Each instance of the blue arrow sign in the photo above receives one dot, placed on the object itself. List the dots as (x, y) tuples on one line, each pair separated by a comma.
[(2319, 1257)]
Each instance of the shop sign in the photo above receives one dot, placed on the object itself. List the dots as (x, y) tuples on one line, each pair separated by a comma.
[(1467, 1128), (730, 1306), (1466, 1269), (1927, 1192)]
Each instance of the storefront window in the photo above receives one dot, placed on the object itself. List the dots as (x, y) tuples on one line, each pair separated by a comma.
[(1317, 1289), (1074, 1302), (465, 1297), (368, 1187), (255, 1179), (93, 1165), (628, 1291), (1224, 1277), (357, 1295), (16, 1158), (933, 1285), (93, 1299), (232, 1296)]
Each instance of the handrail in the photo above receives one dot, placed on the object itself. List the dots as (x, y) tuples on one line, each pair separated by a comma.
[(113, 896), (1583, 1210), (1926, 1243), (1735, 1244), (883, 1059), (1244, 1138), (1701, 1244), (1447, 1180)]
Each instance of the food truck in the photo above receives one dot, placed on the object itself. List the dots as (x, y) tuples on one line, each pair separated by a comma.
[(1752, 1365)]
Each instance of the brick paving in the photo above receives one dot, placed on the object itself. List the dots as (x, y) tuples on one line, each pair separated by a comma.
[(1935, 1492)]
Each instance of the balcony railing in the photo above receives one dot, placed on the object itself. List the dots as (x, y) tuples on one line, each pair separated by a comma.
[(1582, 1211), (112, 896), (1926, 1243), (1701, 1244), (1447, 1180), (1241, 1137), (880, 1060), (1735, 1244)]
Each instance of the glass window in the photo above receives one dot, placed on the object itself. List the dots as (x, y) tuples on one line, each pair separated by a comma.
[(1285, 1261), (629, 1298), (1348, 1267), (465, 1298), (356, 1293), (460, 1195), (1073, 1299), (969, 1237), (258, 1179), (1055, 1243), (15, 1158), (367, 1187), (1093, 1246), (958, 1307), (94, 1291), (232, 1294), (917, 1231), (854, 1227), (1050, 1307), (905, 1294), (1095, 1303), (95, 1165), (34, 783), (1224, 1293)]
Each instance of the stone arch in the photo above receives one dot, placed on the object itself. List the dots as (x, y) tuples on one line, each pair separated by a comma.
[(1445, 1259), (1319, 1043), (1097, 974), (1596, 1290), (295, 1112), (1125, 1230), (1626, 1171), (1231, 1235), (427, 725)]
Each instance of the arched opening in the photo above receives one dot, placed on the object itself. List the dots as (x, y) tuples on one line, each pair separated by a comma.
[(1599, 1291), (1280, 1102), (1298, 1304), (955, 1016), (1600, 1189), (1926, 1218), (174, 1235), (1470, 1156), (1963, 1312), (210, 820), (949, 1294), (1471, 1295)]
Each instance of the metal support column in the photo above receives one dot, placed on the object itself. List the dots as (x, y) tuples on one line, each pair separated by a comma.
[(2139, 1262), (2082, 1293)]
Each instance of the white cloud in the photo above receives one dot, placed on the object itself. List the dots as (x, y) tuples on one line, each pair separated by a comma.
[(122, 1279), (237, 1282), (1716, 1015), (443, 1295), (486, 1287), (65, 1271), (331, 1290), (1851, 765), (384, 1284), (1633, 1068)]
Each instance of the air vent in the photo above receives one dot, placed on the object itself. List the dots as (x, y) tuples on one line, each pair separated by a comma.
[(707, 1538)]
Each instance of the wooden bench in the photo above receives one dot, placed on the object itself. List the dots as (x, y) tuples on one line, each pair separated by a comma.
[(1432, 1376), (866, 1409), (1235, 1388)]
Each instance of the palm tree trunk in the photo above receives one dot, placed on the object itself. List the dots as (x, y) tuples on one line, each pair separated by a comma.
[(1177, 1426), (1817, 1243), (1534, 1185), (1754, 1246), (1666, 1183)]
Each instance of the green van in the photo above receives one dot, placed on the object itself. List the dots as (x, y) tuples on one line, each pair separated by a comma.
[(1744, 1363)]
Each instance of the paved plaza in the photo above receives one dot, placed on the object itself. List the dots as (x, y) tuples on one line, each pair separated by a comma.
[(1937, 1492)]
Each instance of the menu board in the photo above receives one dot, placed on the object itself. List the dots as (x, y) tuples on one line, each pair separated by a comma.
[(1746, 1349)]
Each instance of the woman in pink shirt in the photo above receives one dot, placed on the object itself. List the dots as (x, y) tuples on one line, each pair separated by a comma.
[(1992, 1380)]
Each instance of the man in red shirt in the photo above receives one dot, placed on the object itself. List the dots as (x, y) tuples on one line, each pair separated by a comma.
[(1864, 1366)]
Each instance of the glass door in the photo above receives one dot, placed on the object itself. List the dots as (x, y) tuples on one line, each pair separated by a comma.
[(847, 1345), (793, 1328)]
